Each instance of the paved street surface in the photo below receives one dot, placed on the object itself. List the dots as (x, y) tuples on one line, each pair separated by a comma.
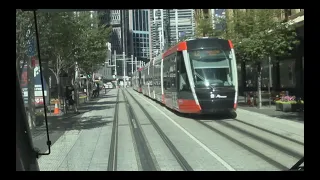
[(139, 134)]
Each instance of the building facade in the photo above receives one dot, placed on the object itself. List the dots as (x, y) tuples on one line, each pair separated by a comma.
[(139, 33), (182, 24), (168, 26), (113, 18), (160, 31), (120, 37)]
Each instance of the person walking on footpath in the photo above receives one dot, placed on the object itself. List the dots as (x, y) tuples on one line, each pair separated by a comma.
[(70, 98)]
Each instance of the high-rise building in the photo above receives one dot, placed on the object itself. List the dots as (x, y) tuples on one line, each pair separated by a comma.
[(139, 30), (169, 26), (182, 24), (119, 20), (158, 30)]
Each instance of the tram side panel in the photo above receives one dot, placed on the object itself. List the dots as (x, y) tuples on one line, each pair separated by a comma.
[(143, 81), (139, 81), (152, 94), (135, 81), (148, 81), (157, 81), (169, 80)]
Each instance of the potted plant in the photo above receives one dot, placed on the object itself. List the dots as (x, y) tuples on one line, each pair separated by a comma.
[(288, 104), (39, 118), (300, 103)]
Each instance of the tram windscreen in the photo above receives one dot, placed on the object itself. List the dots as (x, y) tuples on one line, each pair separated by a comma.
[(211, 67)]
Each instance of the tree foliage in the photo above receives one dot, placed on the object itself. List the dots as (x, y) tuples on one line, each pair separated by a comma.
[(92, 48), (205, 28), (65, 38), (257, 34), (24, 29), (58, 37)]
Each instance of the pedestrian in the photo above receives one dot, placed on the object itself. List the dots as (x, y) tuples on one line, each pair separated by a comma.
[(70, 99)]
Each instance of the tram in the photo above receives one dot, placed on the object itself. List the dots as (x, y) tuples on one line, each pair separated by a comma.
[(136, 80), (196, 76)]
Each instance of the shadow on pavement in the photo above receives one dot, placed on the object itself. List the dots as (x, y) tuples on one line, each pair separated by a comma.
[(98, 103), (294, 116), (91, 108), (57, 125), (75, 123), (271, 112)]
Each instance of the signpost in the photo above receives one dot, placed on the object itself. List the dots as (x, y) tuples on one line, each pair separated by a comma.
[(36, 75)]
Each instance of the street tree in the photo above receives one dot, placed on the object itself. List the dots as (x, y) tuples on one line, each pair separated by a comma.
[(92, 48), (58, 39), (204, 27), (25, 33), (24, 29), (259, 34)]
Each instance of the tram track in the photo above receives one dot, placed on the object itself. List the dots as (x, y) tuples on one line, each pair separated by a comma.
[(112, 161), (177, 155), (225, 129), (145, 158), (272, 147)]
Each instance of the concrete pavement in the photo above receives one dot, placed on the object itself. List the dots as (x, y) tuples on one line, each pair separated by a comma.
[(271, 111), (84, 145), (251, 142), (59, 124)]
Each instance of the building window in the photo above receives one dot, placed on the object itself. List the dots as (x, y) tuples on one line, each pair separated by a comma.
[(140, 21), (136, 19), (287, 73)]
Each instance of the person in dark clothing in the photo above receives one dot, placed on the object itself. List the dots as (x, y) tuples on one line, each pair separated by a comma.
[(96, 90), (69, 98)]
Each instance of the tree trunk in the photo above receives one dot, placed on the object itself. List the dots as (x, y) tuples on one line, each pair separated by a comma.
[(31, 98), (259, 86), (59, 91), (88, 91)]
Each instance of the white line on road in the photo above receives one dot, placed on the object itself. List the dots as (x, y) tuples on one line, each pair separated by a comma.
[(134, 123), (224, 163)]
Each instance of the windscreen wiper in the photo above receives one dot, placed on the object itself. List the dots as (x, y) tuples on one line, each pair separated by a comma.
[(297, 166)]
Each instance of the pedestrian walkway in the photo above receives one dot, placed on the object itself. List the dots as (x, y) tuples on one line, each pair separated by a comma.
[(271, 111), (293, 129), (58, 124), (84, 145)]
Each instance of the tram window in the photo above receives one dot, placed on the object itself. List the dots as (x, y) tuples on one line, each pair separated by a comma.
[(173, 77), (183, 78)]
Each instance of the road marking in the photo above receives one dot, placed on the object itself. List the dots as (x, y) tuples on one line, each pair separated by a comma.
[(134, 123), (218, 158)]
